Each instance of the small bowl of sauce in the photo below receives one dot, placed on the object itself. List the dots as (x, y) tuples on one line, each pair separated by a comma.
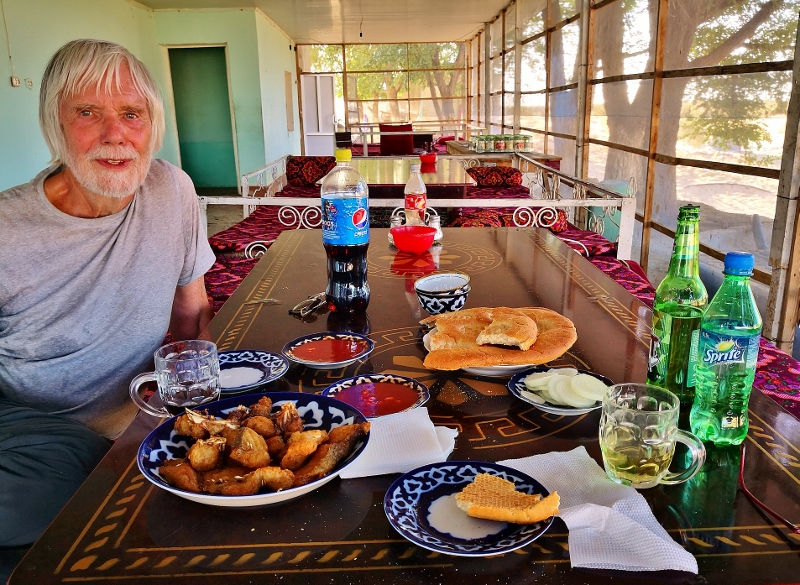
[(328, 350), (377, 395)]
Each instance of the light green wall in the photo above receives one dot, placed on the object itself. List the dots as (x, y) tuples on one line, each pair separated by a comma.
[(258, 54), (276, 55), (236, 30), (36, 29)]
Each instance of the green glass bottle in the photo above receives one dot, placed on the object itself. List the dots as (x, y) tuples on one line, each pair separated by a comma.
[(679, 303)]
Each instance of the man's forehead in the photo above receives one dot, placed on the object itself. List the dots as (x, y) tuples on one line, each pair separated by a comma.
[(117, 87)]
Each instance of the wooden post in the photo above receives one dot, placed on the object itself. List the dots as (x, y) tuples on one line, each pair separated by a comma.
[(655, 114), (784, 257), (584, 105), (517, 67), (487, 72)]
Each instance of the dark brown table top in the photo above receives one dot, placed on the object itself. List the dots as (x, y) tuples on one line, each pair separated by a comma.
[(120, 528)]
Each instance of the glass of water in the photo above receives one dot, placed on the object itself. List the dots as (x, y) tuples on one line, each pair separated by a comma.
[(187, 373)]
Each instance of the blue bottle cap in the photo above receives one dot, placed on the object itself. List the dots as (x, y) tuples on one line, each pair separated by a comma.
[(739, 263)]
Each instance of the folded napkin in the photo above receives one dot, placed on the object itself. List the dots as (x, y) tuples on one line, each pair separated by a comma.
[(610, 525), (402, 442)]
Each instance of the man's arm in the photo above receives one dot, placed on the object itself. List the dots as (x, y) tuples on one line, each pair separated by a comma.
[(191, 312)]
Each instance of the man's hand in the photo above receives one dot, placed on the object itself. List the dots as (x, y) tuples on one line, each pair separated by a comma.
[(191, 312)]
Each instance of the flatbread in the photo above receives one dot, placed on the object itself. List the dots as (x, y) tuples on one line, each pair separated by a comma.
[(456, 346)]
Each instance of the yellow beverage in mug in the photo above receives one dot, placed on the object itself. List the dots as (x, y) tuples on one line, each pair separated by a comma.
[(638, 432)]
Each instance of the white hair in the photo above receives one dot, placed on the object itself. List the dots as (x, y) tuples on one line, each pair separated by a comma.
[(91, 64)]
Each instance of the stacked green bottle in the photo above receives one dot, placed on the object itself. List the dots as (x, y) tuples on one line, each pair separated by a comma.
[(678, 307), (730, 333)]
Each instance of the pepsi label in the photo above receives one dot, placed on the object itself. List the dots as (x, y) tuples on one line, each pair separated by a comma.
[(345, 221)]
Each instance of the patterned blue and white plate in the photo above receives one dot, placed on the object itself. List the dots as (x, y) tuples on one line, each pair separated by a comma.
[(408, 502), (358, 347), (247, 369), (318, 412)]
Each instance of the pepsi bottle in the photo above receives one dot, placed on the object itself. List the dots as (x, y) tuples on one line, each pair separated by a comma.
[(345, 235)]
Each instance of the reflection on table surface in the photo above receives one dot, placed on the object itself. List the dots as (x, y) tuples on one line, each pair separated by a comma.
[(120, 527), (395, 171)]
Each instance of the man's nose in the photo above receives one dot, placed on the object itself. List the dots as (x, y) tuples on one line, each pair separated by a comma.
[(113, 130)]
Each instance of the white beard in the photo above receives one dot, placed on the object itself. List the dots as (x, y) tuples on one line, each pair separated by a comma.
[(106, 182)]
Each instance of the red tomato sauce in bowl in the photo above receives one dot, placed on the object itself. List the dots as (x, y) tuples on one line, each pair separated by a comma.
[(378, 398), (329, 350)]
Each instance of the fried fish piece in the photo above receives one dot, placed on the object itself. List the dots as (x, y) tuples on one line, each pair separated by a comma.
[(343, 433), (276, 447), (288, 420), (238, 414), (328, 455), (249, 449), (240, 481), (179, 473), (263, 425), (184, 425), (300, 446), (193, 423), (262, 408), (206, 454)]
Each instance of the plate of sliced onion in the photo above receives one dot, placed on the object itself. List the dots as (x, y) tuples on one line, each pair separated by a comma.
[(562, 391)]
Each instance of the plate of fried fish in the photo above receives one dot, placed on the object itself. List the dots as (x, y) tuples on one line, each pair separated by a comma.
[(254, 450)]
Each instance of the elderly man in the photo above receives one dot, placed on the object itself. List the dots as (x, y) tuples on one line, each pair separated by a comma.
[(100, 255)]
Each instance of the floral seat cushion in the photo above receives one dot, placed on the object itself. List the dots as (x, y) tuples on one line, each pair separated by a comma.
[(627, 274), (262, 225), (555, 221), (496, 176), (224, 277), (587, 243), (305, 171)]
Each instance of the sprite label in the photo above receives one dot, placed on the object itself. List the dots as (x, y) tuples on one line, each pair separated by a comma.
[(720, 349)]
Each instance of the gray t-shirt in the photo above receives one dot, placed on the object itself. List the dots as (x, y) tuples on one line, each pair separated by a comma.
[(84, 303)]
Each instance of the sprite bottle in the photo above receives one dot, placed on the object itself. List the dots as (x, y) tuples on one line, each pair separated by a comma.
[(726, 364), (679, 303)]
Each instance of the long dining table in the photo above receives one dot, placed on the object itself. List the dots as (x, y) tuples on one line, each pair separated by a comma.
[(121, 528)]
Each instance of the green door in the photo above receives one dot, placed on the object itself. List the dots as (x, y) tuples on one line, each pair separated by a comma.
[(203, 114)]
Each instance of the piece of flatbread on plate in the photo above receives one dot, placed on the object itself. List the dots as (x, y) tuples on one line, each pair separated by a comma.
[(454, 344)]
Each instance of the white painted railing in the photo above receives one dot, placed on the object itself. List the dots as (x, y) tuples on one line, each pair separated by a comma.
[(587, 205)]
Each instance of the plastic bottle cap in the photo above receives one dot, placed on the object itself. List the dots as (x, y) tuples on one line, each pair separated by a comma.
[(415, 168), (343, 155), (739, 263)]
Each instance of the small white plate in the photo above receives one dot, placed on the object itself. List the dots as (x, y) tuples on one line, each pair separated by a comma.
[(489, 371), (247, 369)]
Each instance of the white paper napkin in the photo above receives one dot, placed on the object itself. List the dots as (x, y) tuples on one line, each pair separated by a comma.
[(402, 442), (610, 525)]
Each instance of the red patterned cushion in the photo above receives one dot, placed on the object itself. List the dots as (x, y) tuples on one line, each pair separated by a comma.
[(624, 273), (262, 225), (292, 191), (556, 221), (401, 144), (496, 176), (587, 243), (476, 217), (224, 277), (305, 171)]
